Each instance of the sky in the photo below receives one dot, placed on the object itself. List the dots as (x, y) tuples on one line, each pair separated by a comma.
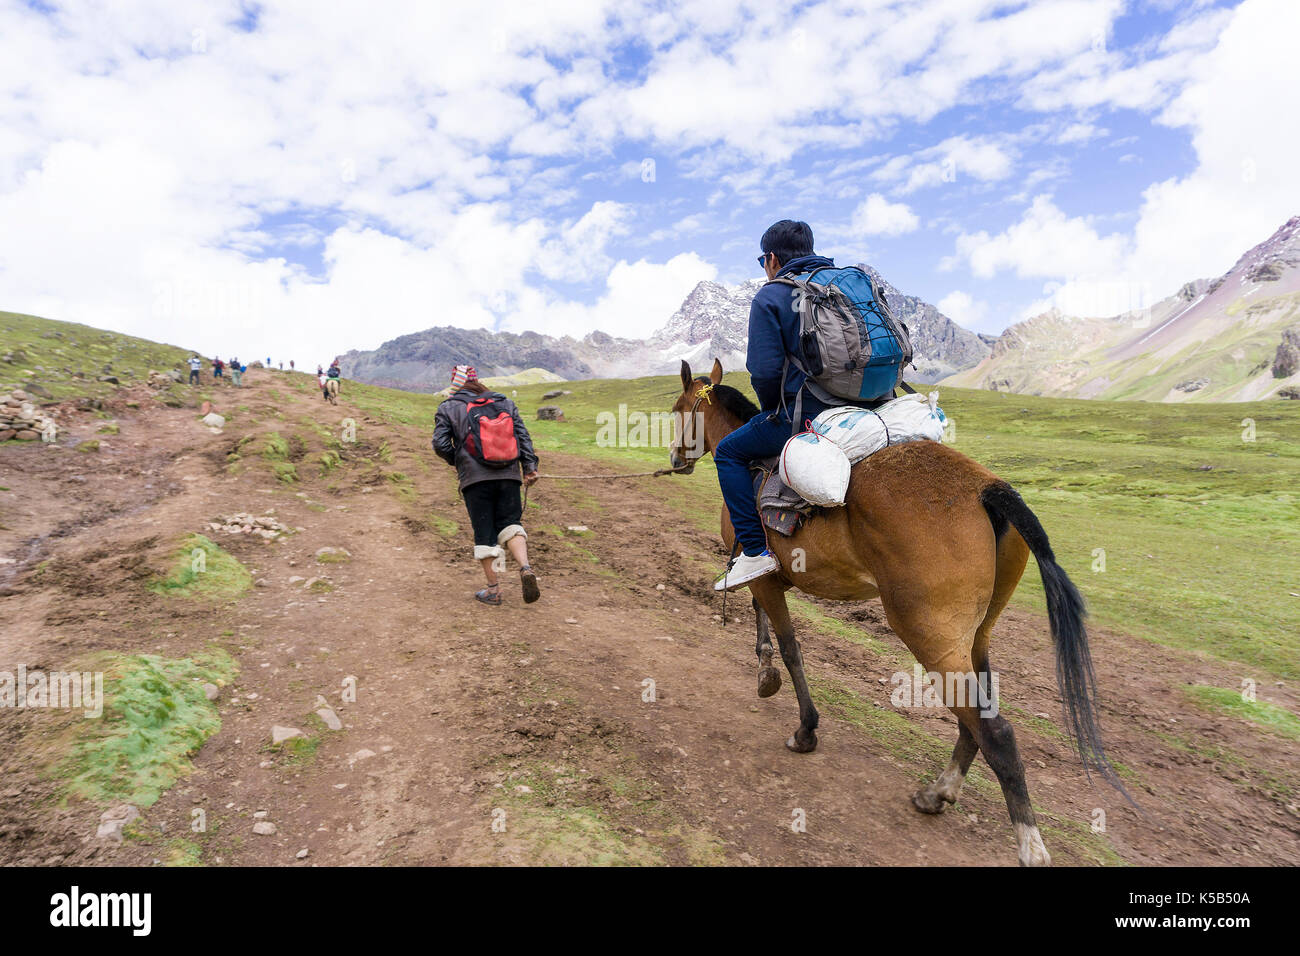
[(295, 179)]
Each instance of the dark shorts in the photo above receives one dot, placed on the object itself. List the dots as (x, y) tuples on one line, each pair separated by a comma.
[(493, 506)]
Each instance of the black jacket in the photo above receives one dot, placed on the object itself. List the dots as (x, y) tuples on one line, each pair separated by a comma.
[(450, 427)]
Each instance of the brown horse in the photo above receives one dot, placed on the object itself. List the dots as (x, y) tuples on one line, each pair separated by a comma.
[(332, 390), (943, 542)]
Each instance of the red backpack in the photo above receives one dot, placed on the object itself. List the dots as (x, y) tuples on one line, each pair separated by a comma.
[(490, 438)]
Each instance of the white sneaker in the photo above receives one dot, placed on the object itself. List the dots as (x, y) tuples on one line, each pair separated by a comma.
[(745, 569)]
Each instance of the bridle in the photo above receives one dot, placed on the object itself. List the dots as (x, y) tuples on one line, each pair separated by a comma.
[(702, 395)]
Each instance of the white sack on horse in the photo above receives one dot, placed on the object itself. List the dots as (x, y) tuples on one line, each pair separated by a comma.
[(816, 468), (860, 432)]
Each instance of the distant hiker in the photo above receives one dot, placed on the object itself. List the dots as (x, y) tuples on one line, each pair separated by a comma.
[(481, 433), (790, 390), (290, 365), (196, 366), (217, 366), (323, 379), (281, 366), (268, 361), (236, 373)]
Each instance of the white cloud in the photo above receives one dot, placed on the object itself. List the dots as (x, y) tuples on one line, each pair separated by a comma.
[(1234, 102), (963, 309), (579, 251), (1239, 108), (638, 298), (159, 160), (877, 216), (981, 158), (1079, 133), (1043, 243)]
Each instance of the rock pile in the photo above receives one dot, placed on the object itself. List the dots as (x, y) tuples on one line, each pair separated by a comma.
[(20, 419), (264, 526), (162, 380)]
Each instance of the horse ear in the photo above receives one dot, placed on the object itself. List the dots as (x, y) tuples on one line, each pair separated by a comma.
[(715, 376), (686, 376)]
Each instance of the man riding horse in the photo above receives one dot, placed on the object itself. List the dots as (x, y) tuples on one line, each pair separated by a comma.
[(774, 328), (939, 539)]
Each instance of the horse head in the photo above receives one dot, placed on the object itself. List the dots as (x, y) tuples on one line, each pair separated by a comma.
[(691, 413)]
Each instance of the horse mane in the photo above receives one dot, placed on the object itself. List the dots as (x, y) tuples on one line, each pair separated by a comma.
[(733, 400)]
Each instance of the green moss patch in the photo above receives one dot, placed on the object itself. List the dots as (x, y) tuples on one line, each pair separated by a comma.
[(201, 569), (156, 716)]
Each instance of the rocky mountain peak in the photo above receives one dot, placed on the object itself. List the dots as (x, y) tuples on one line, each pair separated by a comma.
[(712, 322), (1267, 261)]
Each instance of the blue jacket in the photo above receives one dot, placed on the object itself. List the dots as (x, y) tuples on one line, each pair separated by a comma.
[(774, 334)]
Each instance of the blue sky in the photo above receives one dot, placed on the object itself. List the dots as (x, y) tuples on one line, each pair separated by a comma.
[(295, 178)]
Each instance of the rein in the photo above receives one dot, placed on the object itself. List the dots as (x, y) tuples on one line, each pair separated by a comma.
[(702, 395), (633, 474)]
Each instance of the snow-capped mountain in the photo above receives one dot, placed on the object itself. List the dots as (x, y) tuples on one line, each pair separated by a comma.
[(712, 321)]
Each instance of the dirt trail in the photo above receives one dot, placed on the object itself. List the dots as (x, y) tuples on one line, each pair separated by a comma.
[(533, 716)]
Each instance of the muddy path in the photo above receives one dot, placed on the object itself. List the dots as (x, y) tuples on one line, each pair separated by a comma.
[(614, 721)]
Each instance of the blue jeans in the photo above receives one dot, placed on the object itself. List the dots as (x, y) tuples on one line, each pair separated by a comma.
[(762, 436)]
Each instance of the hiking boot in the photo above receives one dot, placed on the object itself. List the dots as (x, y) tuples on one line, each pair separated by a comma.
[(529, 580), (489, 595), (745, 569)]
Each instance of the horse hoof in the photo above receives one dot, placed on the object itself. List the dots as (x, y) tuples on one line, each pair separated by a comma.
[(769, 681), (805, 746), (928, 802)]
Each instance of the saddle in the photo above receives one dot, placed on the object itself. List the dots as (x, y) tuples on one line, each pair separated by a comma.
[(782, 508)]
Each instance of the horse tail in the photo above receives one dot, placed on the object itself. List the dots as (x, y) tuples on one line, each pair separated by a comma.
[(1065, 614)]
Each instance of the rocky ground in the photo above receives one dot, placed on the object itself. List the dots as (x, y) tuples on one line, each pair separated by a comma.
[(614, 721)]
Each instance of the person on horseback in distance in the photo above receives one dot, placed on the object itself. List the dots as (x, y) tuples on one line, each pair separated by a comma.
[(774, 328), (481, 433)]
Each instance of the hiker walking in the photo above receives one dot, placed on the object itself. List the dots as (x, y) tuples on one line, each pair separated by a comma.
[(196, 366), (481, 433), (236, 373), (217, 366)]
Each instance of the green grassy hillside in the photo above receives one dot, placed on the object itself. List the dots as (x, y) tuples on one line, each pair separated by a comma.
[(67, 360)]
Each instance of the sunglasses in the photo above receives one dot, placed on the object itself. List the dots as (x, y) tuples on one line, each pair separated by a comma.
[(762, 260)]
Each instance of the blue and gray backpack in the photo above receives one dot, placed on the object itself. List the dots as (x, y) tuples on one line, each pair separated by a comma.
[(851, 348)]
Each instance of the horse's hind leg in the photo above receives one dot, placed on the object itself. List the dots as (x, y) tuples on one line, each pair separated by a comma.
[(998, 741), (945, 788), (769, 678), (770, 595), (993, 733), (1012, 554)]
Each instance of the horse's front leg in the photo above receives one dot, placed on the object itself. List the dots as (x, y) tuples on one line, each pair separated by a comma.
[(769, 594), (769, 678)]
